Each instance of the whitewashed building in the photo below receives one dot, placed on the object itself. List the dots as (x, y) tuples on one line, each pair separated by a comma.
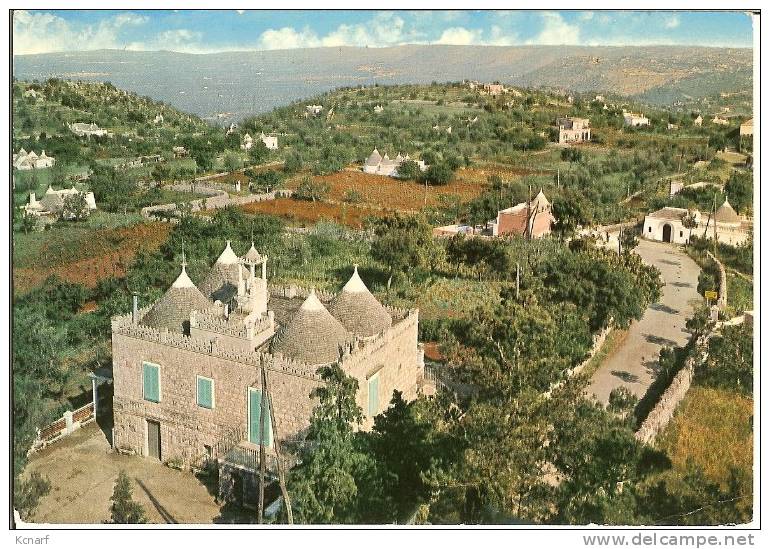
[(24, 160), (52, 202), (378, 164), (574, 130), (634, 120), (668, 225), (82, 129)]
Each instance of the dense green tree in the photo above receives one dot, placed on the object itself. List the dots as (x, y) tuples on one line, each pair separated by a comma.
[(75, 207), (403, 243), (438, 174), (258, 152), (730, 362), (124, 510), (311, 189), (409, 170), (570, 211), (337, 482)]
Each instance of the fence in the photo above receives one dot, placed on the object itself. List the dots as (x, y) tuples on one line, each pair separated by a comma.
[(70, 422)]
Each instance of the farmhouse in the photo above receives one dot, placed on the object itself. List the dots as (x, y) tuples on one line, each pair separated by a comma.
[(698, 121), (635, 120), (668, 225), (270, 141), (87, 130), (313, 110), (190, 371), (534, 220), (158, 119), (720, 120), (384, 165), (24, 160), (574, 130), (180, 152), (494, 89), (52, 202)]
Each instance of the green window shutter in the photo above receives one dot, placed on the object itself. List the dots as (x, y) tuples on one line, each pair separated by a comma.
[(151, 381), (205, 392), (255, 409), (374, 395)]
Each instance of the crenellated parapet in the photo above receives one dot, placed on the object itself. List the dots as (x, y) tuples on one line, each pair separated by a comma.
[(122, 325), (291, 291), (234, 327)]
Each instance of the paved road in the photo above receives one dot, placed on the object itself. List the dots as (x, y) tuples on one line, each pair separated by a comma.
[(634, 363)]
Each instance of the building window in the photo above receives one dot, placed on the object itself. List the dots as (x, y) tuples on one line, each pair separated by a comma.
[(254, 411), (649, 229), (374, 395), (681, 234), (151, 381), (205, 392)]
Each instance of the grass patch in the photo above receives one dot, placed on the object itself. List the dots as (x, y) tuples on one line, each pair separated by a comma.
[(713, 429), (740, 295)]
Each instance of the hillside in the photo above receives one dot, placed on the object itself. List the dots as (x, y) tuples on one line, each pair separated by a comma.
[(235, 84)]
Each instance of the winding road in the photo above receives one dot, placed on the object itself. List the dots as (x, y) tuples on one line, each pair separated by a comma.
[(634, 363)]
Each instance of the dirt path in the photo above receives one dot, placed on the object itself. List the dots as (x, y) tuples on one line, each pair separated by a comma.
[(634, 364), (82, 470)]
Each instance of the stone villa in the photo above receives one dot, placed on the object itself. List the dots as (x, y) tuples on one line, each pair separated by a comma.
[(667, 225), (188, 368), (378, 164), (747, 127), (574, 130)]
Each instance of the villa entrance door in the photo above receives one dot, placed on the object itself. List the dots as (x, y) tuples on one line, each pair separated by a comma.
[(666, 233), (153, 439)]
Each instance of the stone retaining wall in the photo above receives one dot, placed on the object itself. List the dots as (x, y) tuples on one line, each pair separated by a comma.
[(664, 410)]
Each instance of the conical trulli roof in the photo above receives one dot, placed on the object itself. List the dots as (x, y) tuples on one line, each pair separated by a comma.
[(221, 282), (358, 310), (172, 311), (540, 202), (313, 336), (726, 214), (252, 256)]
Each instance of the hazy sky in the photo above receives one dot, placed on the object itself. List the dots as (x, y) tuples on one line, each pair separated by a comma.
[(211, 31)]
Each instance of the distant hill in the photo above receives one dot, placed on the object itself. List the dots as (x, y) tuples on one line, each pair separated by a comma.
[(235, 84)]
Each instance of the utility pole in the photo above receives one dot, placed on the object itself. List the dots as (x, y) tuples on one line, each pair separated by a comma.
[(715, 224), (620, 240), (529, 213), (277, 444), (262, 410), (518, 274), (558, 177)]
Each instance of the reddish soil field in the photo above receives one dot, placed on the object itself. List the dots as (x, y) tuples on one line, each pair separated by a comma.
[(303, 212), (102, 254), (386, 192), (479, 175)]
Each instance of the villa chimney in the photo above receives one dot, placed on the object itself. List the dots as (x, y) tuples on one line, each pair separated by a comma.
[(135, 310)]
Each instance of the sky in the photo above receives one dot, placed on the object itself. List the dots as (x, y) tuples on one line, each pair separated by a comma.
[(208, 31)]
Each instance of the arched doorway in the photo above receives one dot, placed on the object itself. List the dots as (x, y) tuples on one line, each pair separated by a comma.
[(666, 233)]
